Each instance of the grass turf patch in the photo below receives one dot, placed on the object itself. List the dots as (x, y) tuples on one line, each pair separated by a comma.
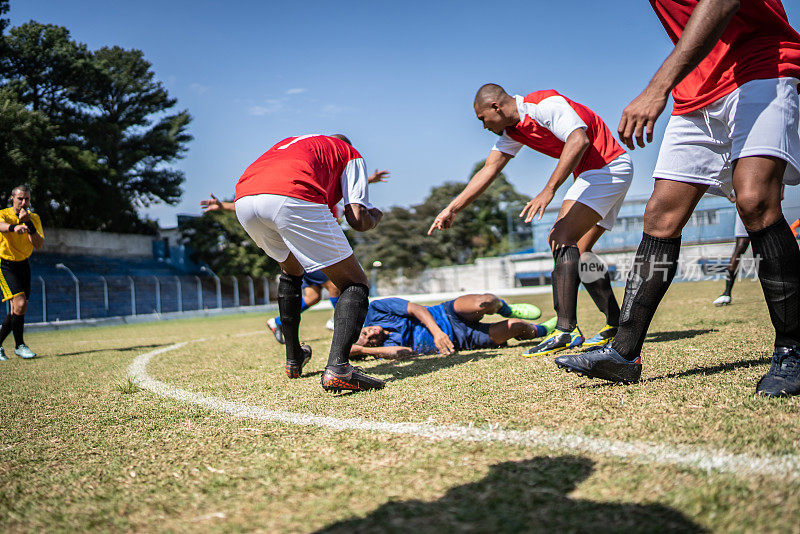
[(78, 453)]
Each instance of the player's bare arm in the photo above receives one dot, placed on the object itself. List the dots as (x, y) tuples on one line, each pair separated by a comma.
[(35, 238), (214, 204), (378, 176), (15, 228), (389, 353), (477, 185), (360, 218), (575, 146), (704, 28), (440, 339)]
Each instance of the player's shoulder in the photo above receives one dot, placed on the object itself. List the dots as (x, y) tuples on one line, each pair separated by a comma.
[(35, 217), (6, 213), (537, 96)]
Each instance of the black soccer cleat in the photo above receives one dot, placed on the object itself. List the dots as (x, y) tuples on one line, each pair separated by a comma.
[(295, 369), (783, 377), (353, 379), (602, 362)]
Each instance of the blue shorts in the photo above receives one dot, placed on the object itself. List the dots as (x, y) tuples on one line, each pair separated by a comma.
[(317, 278), (468, 335)]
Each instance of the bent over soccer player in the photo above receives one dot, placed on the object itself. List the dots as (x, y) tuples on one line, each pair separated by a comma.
[(734, 78), (558, 127), (284, 202), (395, 328)]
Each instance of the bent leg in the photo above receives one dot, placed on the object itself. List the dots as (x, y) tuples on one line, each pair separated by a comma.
[(757, 181), (600, 290), (290, 305), (472, 308), (502, 331), (351, 309), (656, 261)]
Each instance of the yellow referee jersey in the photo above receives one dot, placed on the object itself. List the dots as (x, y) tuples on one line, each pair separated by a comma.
[(17, 247)]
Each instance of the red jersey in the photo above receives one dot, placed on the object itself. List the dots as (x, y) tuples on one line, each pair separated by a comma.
[(757, 44), (544, 128), (308, 167)]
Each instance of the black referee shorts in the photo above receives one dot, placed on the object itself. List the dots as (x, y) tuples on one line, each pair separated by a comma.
[(15, 278)]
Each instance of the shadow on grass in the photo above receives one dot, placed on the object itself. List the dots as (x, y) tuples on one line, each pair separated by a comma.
[(674, 335), (111, 349), (422, 365), (710, 370), (527, 496)]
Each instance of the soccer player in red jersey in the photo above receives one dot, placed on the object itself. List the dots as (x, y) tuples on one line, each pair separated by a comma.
[(284, 201), (734, 77), (584, 146)]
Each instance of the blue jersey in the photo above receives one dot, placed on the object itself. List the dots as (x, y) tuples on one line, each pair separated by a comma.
[(403, 330)]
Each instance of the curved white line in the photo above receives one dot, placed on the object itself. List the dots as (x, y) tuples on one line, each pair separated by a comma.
[(708, 459)]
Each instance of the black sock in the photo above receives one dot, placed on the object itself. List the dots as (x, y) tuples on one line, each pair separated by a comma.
[(729, 281), (290, 302), (18, 327), (779, 271), (652, 272), (565, 286), (603, 297), (348, 318), (5, 329)]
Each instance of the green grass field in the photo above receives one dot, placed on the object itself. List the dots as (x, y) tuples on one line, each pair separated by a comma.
[(83, 448)]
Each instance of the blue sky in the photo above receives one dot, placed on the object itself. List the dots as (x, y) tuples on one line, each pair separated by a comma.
[(397, 78)]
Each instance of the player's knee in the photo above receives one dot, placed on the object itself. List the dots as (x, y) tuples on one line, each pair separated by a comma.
[(660, 220), (488, 301), (755, 209)]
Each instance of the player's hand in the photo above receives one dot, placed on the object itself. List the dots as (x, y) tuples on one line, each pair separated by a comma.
[(398, 353), (378, 176), (211, 204), (442, 221), (443, 343), (537, 205), (639, 118), (24, 215), (21, 229)]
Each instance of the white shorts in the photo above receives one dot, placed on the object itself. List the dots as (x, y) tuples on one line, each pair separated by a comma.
[(760, 118), (604, 189), (738, 228), (280, 225)]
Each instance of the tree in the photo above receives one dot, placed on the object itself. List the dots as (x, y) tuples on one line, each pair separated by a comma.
[(107, 128)]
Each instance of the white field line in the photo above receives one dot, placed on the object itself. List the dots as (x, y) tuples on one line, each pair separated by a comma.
[(708, 459)]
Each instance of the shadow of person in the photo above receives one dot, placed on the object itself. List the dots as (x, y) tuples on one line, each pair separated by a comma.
[(527, 496), (114, 349), (674, 335), (424, 364)]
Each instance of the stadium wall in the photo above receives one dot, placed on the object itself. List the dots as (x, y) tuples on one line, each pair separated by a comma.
[(88, 243)]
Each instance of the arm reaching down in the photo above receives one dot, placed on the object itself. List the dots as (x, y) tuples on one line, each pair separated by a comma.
[(440, 339), (483, 179), (361, 218), (389, 353)]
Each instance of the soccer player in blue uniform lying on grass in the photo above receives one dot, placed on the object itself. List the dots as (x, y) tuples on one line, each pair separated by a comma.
[(396, 328)]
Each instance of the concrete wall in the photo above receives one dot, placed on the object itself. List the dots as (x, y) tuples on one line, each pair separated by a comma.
[(85, 242)]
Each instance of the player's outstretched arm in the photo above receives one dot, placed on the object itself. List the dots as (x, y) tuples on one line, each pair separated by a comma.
[(214, 204), (361, 218), (704, 28), (575, 146), (477, 185)]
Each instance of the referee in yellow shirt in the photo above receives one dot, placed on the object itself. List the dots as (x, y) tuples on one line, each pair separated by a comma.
[(21, 232)]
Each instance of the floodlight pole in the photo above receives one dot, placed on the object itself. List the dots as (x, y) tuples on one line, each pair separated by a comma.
[(105, 294), (77, 288), (266, 289), (252, 290), (158, 295), (133, 296)]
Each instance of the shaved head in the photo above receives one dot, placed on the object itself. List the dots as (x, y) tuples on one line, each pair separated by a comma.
[(342, 137), (488, 93)]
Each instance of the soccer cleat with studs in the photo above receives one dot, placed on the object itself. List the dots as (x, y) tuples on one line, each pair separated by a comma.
[(352, 379), (783, 377), (275, 328), (602, 362), (529, 312), (295, 369), (722, 300), (605, 335), (3, 356), (24, 352), (557, 341)]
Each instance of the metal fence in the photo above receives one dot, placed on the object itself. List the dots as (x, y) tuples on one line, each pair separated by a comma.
[(86, 297)]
